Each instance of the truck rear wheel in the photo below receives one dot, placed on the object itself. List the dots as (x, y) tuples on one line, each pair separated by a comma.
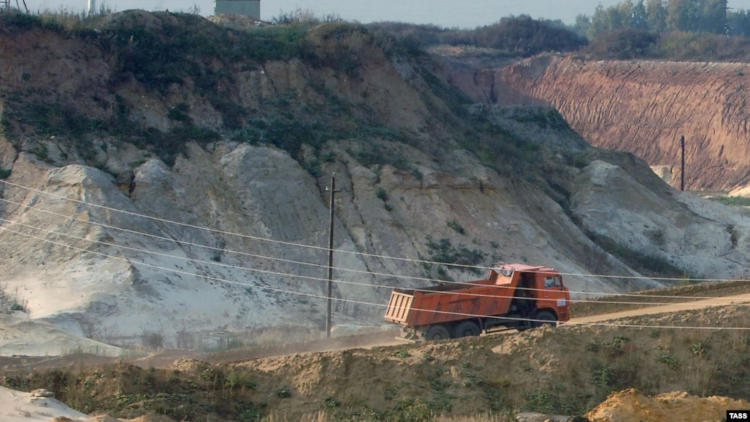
[(467, 328), (545, 318), (437, 332)]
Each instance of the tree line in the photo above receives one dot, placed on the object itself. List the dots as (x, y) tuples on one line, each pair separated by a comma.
[(660, 16), (667, 29), (705, 30), (512, 36)]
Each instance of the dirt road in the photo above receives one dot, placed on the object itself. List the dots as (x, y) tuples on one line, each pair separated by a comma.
[(674, 307)]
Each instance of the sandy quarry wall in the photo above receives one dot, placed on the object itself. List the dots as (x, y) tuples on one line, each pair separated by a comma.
[(639, 106)]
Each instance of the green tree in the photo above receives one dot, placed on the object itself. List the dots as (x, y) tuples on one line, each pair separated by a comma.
[(738, 23), (619, 16), (624, 13), (639, 16), (656, 15), (714, 16), (609, 19), (684, 15), (582, 25), (599, 22), (625, 43), (524, 36)]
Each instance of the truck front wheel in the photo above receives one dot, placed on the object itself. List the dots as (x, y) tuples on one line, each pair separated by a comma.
[(437, 332), (545, 318), (467, 328)]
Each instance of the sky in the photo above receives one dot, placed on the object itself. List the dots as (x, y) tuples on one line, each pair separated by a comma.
[(447, 13)]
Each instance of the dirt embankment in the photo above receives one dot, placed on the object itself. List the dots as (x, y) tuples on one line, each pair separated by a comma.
[(639, 106), (563, 371)]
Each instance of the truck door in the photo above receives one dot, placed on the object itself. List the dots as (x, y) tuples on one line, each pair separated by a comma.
[(525, 291), (550, 286)]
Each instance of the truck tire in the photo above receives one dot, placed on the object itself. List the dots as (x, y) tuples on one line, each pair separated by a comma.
[(545, 318), (467, 328), (437, 332)]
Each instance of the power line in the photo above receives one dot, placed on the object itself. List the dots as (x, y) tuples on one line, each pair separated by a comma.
[(311, 295), (337, 281), (229, 233), (373, 273), (291, 261), (301, 245)]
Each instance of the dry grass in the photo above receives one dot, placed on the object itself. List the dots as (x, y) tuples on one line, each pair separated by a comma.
[(324, 416)]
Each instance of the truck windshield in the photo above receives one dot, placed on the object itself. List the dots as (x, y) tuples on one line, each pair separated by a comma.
[(552, 282)]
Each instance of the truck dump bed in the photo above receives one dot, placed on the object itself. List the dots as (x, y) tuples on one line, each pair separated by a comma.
[(449, 303)]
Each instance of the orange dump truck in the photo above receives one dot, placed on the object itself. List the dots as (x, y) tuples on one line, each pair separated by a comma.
[(515, 296)]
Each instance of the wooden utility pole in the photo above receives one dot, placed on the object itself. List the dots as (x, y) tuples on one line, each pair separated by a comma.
[(330, 258), (682, 171)]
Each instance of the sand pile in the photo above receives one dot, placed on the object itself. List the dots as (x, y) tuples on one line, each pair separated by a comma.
[(628, 405)]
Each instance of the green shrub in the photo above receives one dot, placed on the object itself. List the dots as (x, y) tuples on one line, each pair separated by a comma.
[(604, 377), (593, 347), (444, 251), (179, 113), (4, 173), (382, 194), (372, 154), (233, 114), (402, 353), (443, 274), (512, 36), (625, 43), (330, 403), (549, 400), (453, 224), (409, 410), (668, 359), (696, 46), (283, 392), (22, 21), (41, 153), (699, 348), (524, 36), (738, 201), (312, 167), (52, 119), (614, 347)]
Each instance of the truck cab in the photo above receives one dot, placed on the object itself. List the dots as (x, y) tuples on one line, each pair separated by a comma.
[(539, 294)]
